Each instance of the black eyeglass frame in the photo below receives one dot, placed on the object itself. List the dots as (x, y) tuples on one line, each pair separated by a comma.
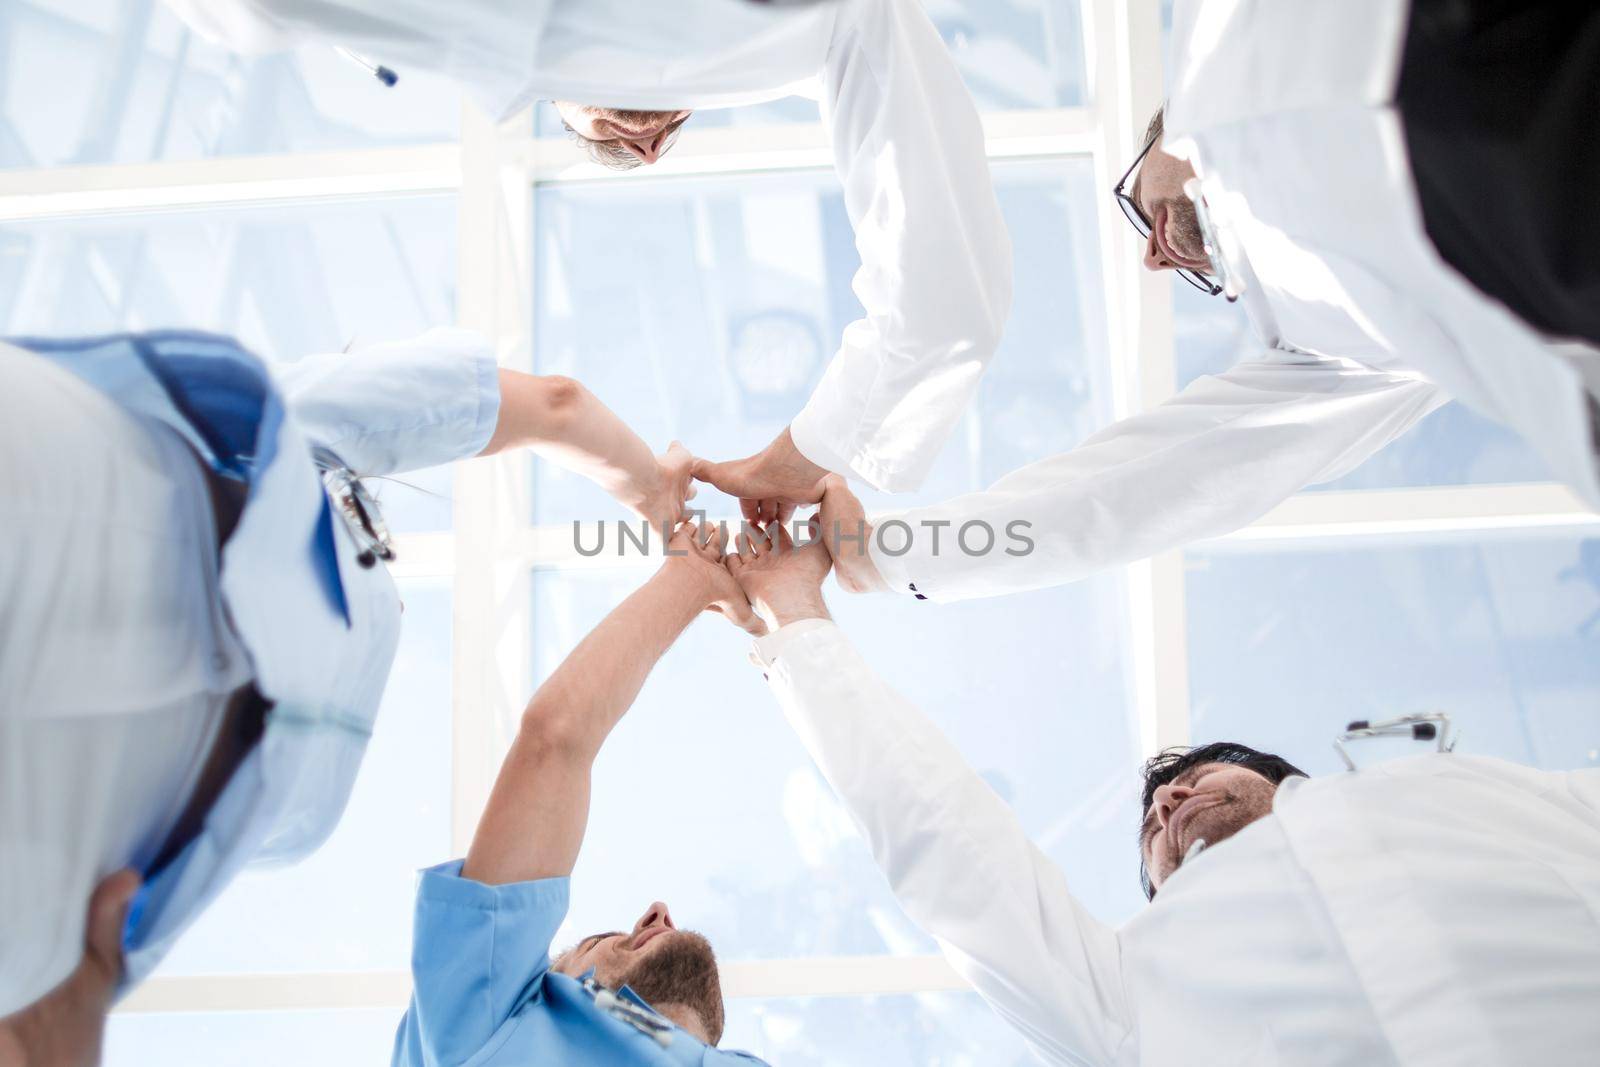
[(1135, 215)]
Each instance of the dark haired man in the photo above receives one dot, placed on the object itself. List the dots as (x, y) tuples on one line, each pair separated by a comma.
[(935, 279), (486, 989), (1443, 909)]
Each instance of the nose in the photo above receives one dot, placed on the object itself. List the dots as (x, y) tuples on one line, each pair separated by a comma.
[(648, 149), (1154, 257), (655, 915), (1166, 801)]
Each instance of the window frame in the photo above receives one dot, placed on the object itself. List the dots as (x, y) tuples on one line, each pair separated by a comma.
[(491, 552)]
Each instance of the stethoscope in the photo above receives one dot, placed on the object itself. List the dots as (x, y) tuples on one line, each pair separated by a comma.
[(1423, 726), (357, 507), (378, 70), (1232, 267), (642, 1019), (1232, 285)]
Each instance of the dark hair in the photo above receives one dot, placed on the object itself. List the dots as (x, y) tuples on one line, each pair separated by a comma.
[(1167, 765)]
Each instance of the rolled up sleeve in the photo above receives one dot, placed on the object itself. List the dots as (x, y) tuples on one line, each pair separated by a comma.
[(479, 953), (399, 406)]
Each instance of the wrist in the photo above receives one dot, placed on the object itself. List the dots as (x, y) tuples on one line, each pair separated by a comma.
[(687, 579), (793, 609), (639, 488)]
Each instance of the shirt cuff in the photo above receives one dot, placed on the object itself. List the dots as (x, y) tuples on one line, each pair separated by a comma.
[(487, 370), (811, 441), (894, 569), (766, 650)]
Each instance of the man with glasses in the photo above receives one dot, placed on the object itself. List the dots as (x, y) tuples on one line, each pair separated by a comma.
[(1316, 162)]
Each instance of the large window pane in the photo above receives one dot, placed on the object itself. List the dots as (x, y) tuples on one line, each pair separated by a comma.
[(1016, 53), (922, 1030), (1288, 643), (732, 297), (704, 798), (251, 1039), (1452, 446), (286, 281), (348, 907), (125, 81)]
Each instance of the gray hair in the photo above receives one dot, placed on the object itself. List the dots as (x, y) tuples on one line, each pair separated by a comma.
[(613, 156)]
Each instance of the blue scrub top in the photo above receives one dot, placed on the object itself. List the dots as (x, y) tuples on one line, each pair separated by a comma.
[(484, 994), (320, 628)]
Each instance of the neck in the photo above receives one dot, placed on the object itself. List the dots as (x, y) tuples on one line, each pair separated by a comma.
[(685, 1017)]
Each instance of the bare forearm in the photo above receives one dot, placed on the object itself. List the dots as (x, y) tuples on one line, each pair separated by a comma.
[(534, 823), (589, 693), (563, 421)]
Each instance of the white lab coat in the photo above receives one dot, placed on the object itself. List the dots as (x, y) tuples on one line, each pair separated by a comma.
[(935, 276), (1285, 108), (1440, 910)]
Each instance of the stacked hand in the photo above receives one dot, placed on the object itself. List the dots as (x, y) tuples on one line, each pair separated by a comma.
[(847, 533), (696, 549), (769, 484), (783, 582), (774, 577), (666, 502)]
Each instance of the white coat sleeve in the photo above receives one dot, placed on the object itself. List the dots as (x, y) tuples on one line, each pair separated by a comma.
[(1214, 458), (935, 276), (399, 406), (954, 854)]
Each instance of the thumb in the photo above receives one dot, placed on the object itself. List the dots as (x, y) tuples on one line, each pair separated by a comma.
[(741, 614), (108, 912), (724, 476)]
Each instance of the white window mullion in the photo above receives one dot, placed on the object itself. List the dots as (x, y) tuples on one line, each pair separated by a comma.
[(76, 192), (1125, 48), (818, 977), (491, 648), (1401, 512), (1040, 133)]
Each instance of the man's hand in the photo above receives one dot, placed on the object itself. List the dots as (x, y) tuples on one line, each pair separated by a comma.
[(847, 533), (783, 583), (769, 484), (664, 501), (696, 550), (66, 1026)]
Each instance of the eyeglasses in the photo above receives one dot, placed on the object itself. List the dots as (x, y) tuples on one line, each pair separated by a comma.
[(1142, 224)]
